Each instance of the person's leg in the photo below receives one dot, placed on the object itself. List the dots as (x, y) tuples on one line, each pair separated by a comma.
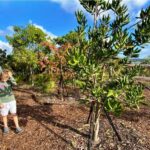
[(5, 122), (15, 117), (4, 113)]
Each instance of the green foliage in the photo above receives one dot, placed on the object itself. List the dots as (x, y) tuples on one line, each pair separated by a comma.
[(77, 58), (113, 106), (3, 57), (23, 62), (90, 5), (99, 71), (80, 83), (142, 33), (24, 58), (20, 78), (26, 43), (71, 38), (81, 20), (134, 95), (29, 37), (45, 83)]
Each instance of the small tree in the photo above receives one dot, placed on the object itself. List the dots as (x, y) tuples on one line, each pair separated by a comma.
[(26, 43), (28, 37), (65, 43), (24, 62), (102, 76)]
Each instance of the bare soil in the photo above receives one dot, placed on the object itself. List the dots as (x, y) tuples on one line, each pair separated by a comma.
[(62, 126)]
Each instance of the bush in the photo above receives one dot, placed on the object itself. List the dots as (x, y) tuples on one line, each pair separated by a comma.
[(45, 83)]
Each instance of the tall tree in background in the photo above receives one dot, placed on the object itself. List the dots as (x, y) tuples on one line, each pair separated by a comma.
[(28, 37), (100, 73), (65, 43), (26, 43)]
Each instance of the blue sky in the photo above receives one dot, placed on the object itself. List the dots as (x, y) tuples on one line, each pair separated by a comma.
[(55, 17)]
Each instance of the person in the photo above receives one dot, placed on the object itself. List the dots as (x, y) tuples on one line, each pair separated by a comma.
[(7, 100)]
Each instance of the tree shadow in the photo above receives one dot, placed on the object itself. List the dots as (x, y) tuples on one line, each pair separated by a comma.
[(133, 115), (42, 114), (11, 124)]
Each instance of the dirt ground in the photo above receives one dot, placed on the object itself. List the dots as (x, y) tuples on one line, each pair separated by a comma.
[(62, 127)]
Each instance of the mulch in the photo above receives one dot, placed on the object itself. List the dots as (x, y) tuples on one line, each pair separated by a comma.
[(63, 127)]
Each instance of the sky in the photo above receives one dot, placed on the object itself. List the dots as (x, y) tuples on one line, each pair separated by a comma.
[(55, 17)]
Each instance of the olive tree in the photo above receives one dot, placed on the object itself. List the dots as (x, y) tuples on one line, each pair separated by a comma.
[(100, 73)]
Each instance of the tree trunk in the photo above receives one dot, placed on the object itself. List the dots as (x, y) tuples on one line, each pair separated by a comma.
[(94, 126), (61, 81), (31, 78)]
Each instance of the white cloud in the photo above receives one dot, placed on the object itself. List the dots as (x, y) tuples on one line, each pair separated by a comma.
[(7, 31), (44, 30), (134, 7), (6, 45), (138, 13), (140, 2), (133, 3), (73, 5), (10, 28), (2, 33), (69, 5)]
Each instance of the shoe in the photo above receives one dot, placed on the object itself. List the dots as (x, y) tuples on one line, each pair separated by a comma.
[(18, 130), (6, 130)]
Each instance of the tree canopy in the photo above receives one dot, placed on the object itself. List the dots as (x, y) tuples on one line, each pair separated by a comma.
[(99, 71)]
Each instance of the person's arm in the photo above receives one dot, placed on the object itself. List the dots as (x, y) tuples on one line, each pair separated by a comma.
[(1, 94), (11, 80), (1, 70), (1, 105)]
